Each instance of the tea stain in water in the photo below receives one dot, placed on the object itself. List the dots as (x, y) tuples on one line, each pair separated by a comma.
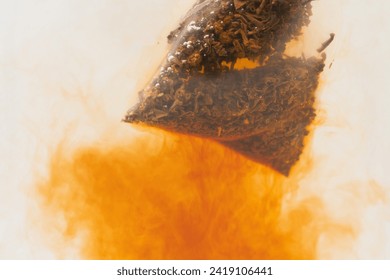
[(164, 196)]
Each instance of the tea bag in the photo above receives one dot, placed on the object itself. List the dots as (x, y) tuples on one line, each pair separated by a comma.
[(262, 112)]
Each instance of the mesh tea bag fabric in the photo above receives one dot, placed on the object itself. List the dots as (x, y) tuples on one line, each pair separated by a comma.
[(261, 112)]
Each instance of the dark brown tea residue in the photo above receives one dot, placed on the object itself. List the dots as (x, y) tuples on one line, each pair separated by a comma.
[(262, 113)]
